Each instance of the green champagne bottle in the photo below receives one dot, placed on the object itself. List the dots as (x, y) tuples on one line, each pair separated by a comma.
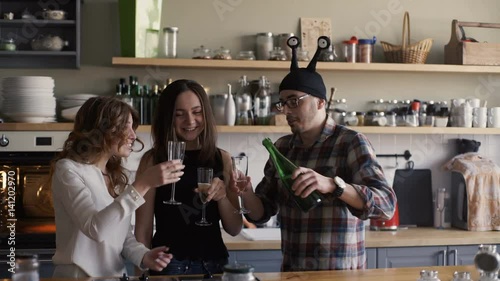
[(285, 169)]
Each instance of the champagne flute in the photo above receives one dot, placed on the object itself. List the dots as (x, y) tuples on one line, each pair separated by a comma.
[(176, 150), (205, 176), (240, 170)]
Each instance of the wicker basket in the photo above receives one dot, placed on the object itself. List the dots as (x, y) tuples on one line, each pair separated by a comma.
[(407, 53)]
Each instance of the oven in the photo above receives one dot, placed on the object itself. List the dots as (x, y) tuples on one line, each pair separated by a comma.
[(26, 209)]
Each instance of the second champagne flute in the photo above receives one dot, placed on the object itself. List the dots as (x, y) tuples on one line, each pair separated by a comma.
[(176, 150), (240, 170), (205, 176)]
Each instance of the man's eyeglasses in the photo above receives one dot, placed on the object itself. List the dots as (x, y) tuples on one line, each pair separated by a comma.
[(291, 102)]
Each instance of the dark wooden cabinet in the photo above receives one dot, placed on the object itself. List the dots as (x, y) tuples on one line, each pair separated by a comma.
[(24, 31)]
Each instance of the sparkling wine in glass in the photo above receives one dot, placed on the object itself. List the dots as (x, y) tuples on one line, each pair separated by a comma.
[(205, 176), (240, 170), (176, 150)]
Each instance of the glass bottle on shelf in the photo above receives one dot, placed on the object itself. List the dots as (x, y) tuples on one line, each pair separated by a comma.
[(155, 95), (244, 113), (124, 93), (285, 168), (145, 109), (262, 103), (137, 98)]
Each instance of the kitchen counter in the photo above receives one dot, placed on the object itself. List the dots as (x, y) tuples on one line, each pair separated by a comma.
[(445, 273), (411, 237)]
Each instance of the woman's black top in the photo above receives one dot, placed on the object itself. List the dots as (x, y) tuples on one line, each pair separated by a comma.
[(175, 224)]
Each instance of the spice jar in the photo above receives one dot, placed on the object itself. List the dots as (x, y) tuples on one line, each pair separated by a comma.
[(365, 49), (350, 119), (7, 45), (246, 55), (202, 53), (361, 118), (350, 47), (26, 268), (222, 54), (277, 54)]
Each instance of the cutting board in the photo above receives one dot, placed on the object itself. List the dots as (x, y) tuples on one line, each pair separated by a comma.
[(413, 188)]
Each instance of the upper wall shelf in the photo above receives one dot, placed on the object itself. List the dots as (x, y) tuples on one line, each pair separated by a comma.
[(273, 129), (285, 65)]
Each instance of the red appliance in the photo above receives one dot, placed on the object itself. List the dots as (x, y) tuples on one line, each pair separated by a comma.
[(390, 224)]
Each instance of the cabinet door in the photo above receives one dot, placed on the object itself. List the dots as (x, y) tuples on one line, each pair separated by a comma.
[(371, 258), (463, 255), (410, 257), (262, 261)]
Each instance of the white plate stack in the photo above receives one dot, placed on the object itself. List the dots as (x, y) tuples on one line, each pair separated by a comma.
[(71, 104), (29, 99)]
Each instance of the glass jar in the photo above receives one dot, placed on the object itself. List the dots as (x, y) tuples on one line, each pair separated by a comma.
[(302, 55), (350, 47), (328, 54), (222, 54), (461, 276), (265, 45), (277, 54), (7, 45), (168, 48), (488, 276), (487, 259), (428, 275), (282, 43), (365, 49), (26, 268), (246, 55), (238, 272), (202, 53), (361, 118), (350, 119)]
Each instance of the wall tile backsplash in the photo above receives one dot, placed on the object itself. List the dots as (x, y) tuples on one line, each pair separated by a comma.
[(428, 151)]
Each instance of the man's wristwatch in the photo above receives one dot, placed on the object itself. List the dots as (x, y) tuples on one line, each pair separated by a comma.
[(340, 187)]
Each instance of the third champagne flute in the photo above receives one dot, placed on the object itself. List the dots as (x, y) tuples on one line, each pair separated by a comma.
[(176, 150), (240, 170), (205, 176)]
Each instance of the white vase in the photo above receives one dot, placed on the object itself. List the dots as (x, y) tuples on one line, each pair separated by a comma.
[(230, 110)]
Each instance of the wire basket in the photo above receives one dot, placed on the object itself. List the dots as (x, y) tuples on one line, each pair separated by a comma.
[(407, 53)]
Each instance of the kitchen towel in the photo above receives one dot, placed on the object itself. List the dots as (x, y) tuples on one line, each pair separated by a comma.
[(482, 178)]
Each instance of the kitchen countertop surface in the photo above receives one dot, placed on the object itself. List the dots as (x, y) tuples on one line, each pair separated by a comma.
[(445, 273), (43, 231), (417, 236)]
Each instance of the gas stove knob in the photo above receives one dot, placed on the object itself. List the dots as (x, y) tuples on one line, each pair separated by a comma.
[(4, 141)]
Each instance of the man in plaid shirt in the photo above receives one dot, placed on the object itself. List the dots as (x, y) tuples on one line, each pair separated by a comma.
[(338, 162)]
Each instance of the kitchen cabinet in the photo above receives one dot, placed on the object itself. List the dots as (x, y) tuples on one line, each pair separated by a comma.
[(426, 256), (24, 31), (270, 260)]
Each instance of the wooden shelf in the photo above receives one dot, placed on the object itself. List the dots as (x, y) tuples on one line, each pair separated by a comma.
[(38, 23), (285, 65), (274, 129)]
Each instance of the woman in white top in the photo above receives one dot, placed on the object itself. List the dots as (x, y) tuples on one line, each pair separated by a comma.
[(93, 200)]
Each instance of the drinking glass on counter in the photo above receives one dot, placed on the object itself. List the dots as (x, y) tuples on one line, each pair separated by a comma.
[(176, 150), (205, 176), (240, 170)]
